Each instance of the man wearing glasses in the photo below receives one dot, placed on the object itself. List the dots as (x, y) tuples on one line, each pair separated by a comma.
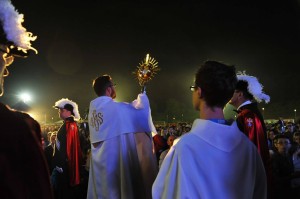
[(283, 169), (23, 170), (123, 164), (247, 94), (250, 121), (214, 160)]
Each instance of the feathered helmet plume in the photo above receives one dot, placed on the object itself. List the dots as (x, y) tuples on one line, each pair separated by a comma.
[(253, 87), (69, 105), (12, 33)]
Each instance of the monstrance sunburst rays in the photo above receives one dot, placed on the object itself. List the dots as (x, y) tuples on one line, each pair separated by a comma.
[(146, 71)]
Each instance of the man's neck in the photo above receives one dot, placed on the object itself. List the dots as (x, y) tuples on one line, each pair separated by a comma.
[(208, 113)]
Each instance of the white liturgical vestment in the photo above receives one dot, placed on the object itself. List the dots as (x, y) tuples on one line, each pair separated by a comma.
[(213, 161), (123, 163)]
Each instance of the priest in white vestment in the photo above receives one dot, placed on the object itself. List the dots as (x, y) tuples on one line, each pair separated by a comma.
[(215, 160), (123, 164)]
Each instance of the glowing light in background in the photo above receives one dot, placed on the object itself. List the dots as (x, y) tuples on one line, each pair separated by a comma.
[(25, 97)]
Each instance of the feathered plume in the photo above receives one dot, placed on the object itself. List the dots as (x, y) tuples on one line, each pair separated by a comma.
[(254, 87), (12, 26), (62, 102)]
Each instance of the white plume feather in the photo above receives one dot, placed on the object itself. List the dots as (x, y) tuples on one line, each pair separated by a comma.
[(62, 102), (254, 87), (12, 26)]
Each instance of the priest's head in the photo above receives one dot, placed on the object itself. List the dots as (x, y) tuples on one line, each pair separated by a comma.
[(104, 86)]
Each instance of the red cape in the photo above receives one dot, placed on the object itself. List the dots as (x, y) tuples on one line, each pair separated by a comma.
[(73, 152)]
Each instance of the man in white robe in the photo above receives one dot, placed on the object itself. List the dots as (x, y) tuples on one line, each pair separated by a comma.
[(123, 163), (214, 160)]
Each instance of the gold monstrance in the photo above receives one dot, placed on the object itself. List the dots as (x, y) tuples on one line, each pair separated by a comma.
[(146, 71)]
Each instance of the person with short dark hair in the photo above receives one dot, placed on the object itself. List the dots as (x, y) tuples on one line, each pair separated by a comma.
[(123, 164), (101, 84), (283, 168), (247, 94), (215, 159)]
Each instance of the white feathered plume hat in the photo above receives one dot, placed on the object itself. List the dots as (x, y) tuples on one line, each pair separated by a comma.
[(12, 33), (251, 85), (69, 105)]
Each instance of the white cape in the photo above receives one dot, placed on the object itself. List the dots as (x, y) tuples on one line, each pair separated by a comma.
[(108, 119), (123, 163), (212, 161)]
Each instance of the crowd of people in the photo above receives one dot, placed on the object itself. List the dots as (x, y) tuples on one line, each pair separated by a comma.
[(283, 140), (284, 149), (119, 153)]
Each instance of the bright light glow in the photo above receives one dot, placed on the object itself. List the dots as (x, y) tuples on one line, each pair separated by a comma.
[(295, 110), (25, 97), (33, 115), (147, 58)]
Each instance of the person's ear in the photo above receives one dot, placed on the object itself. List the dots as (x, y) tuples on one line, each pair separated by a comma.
[(108, 91), (240, 94), (199, 92)]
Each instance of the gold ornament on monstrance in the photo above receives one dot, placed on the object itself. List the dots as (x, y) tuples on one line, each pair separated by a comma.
[(146, 71)]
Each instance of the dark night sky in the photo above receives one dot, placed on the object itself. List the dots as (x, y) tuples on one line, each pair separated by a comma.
[(79, 40)]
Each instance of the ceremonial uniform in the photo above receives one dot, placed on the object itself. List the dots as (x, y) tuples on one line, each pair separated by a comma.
[(235, 168), (23, 169), (123, 164), (67, 155), (251, 123)]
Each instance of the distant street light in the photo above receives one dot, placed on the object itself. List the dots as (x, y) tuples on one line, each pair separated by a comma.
[(25, 97), (295, 114), (263, 112)]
